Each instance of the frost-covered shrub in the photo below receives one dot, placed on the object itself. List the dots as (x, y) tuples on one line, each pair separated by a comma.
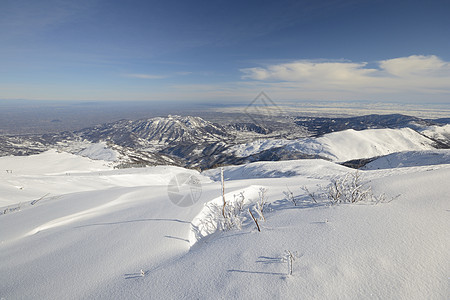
[(311, 195), (232, 217), (348, 188), (289, 196), (351, 188), (261, 203)]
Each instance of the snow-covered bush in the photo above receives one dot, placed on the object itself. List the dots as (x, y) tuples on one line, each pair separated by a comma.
[(351, 188), (238, 203), (232, 216), (311, 195), (289, 196), (224, 217), (348, 188), (261, 203), (231, 211)]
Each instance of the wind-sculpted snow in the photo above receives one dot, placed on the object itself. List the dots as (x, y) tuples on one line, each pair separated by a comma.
[(115, 234), (53, 173), (99, 151), (311, 168)]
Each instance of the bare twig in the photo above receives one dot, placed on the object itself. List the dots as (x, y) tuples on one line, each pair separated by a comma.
[(36, 201), (254, 219), (290, 258), (311, 195), (223, 192), (290, 196)]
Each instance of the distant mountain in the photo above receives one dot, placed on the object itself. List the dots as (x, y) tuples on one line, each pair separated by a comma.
[(343, 145), (441, 121), (156, 132), (252, 127), (409, 159)]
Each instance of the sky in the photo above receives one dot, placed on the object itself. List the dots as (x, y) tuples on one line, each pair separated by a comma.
[(225, 51)]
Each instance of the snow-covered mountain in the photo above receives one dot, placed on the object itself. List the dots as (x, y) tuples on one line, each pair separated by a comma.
[(320, 126), (409, 159), (438, 133), (157, 132), (196, 143), (345, 145)]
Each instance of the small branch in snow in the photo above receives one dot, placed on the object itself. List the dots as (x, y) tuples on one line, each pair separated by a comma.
[(289, 258), (254, 219), (223, 192), (290, 196), (311, 195)]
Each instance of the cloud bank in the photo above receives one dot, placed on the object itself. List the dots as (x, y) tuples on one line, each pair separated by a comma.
[(402, 78)]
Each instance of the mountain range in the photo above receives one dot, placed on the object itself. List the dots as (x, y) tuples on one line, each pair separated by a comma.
[(196, 143)]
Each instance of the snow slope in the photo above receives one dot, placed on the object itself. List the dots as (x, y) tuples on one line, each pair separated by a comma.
[(440, 133), (99, 151), (316, 168), (105, 226), (55, 173), (345, 145), (410, 159)]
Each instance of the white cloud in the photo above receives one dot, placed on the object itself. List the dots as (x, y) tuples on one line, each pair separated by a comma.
[(416, 66), (308, 71), (415, 77)]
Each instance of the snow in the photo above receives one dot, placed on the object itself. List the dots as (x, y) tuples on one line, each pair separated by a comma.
[(350, 252), (99, 227), (99, 151), (55, 173), (410, 159), (346, 145), (244, 150), (440, 133), (316, 168), (50, 162)]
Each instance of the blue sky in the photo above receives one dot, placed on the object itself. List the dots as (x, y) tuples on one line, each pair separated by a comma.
[(219, 51)]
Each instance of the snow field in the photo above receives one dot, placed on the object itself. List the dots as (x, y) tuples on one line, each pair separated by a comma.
[(99, 227)]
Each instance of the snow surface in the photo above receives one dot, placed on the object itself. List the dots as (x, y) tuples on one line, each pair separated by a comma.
[(410, 159), (98, 228), (311, 168), (345, 145), (440, 133), (99, 151)]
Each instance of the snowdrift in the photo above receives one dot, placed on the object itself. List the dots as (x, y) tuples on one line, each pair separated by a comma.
[(112, 234)]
